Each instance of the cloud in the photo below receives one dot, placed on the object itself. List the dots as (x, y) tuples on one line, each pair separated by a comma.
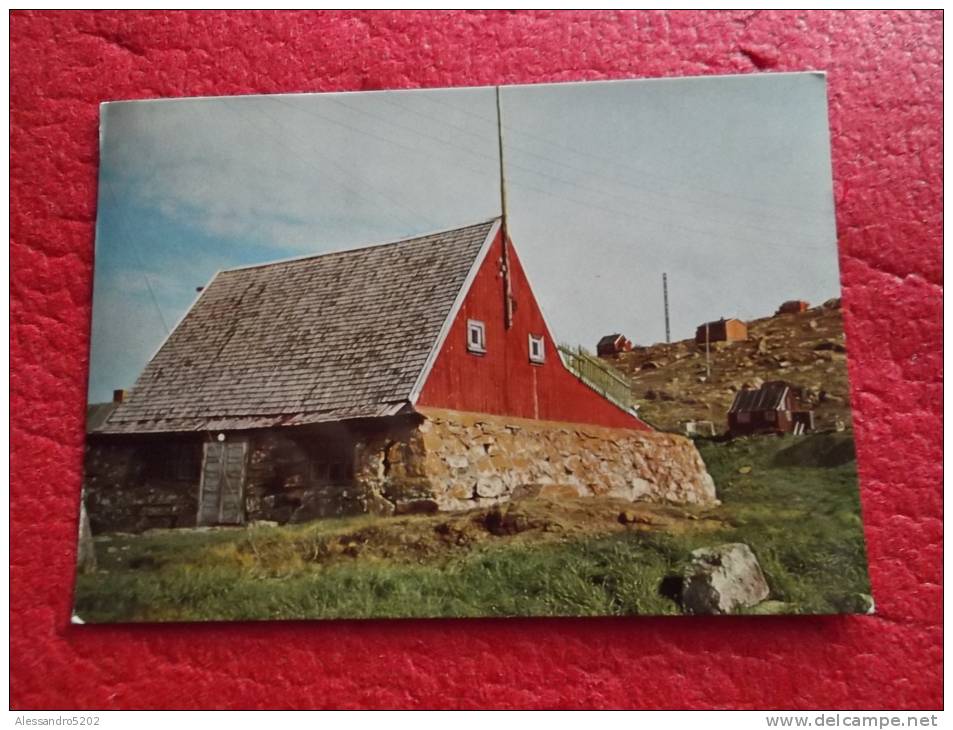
[(268, 172), (723, 183)]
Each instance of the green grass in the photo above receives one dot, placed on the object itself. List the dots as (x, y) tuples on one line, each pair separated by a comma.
[(803, 523)]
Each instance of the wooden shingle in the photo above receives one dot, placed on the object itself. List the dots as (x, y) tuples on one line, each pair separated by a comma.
[(330, 337)]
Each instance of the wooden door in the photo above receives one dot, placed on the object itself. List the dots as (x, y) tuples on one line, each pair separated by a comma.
[(222, 487)]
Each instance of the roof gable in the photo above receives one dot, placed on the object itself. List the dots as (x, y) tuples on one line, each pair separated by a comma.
[(769, 397), (341, 335)]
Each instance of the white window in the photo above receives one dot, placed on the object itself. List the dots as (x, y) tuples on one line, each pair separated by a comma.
[(476, 336), (537, 349)]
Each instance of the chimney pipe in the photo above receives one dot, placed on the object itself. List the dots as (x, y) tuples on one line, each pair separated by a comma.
[(119, 395)]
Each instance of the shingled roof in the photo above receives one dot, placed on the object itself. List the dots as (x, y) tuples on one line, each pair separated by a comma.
[(769, 397), (337, 336)]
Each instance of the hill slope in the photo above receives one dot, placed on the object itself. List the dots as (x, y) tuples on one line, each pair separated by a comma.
[(670, 384)]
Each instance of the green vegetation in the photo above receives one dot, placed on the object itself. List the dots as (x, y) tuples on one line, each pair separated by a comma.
[(803, 523)]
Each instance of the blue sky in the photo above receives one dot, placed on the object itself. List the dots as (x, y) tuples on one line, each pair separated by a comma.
[(722, 182)]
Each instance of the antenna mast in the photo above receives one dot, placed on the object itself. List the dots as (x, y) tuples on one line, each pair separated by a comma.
[(505, 263), (668, 335)]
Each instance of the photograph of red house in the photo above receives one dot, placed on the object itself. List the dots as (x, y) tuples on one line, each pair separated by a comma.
[(338, 364), (278, 393)]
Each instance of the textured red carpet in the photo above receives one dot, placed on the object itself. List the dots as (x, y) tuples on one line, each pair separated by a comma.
[(885, 92)]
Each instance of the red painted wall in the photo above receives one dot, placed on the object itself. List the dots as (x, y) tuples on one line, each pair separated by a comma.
[(503, 381)]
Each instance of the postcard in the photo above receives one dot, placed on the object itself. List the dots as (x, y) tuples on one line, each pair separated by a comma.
[(549, 350)]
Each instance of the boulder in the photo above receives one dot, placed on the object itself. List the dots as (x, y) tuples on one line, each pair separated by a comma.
[(723, 579)]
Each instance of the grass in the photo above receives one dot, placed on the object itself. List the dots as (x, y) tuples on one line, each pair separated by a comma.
[(802, 522)]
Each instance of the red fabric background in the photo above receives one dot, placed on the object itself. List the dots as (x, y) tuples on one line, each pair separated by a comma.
[(885, 94)]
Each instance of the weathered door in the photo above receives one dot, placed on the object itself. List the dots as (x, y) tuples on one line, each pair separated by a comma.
[(222, 486)]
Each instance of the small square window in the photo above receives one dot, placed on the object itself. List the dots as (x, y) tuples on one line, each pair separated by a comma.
[(537, 349), (476, 336)]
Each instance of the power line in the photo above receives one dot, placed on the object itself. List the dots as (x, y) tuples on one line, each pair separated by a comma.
[(643, 219), (107, 187), (570, 166), (641, 171), (389, 141), (406, 223), (530, 170), (430, 153)]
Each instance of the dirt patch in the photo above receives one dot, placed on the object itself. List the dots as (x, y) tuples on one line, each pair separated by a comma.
[(424, 538)]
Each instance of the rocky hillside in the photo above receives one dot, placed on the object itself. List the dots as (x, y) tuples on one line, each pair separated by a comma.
[(805, 349)]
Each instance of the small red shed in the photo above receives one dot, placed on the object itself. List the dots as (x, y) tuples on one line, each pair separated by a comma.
[(722, 330), (613, 345), (793, 306), (775, 407)]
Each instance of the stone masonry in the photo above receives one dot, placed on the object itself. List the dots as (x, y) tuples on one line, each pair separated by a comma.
[(457, 461), (426, 462)]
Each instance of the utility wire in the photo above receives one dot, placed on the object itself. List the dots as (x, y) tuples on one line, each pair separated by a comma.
[(615, 161), (406, 223), (106, 186), (516, 183), (564, 164), (555, 178)]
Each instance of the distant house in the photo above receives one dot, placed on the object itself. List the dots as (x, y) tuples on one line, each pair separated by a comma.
[(775, 407), (793, 306), (302, 388), (722, 330), (613, 345)]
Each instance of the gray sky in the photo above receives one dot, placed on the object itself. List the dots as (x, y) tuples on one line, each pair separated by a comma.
[(722, 182)]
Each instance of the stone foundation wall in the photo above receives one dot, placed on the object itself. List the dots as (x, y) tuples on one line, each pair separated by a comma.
[(127, 488), (457, 461), (123, 492), (437, 460), (280, 483)]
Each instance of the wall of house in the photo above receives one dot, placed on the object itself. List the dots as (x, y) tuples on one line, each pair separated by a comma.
[(438, 460), (503, 381), (290, 471), (133, 483), (457, 461), (715, 331), (729, 330), (761, 422), (736, 330)]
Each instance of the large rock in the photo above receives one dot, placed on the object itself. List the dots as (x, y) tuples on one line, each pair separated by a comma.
[(723, 579)]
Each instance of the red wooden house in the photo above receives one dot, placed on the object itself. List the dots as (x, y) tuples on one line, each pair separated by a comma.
[(613, 344), (722, 330), (793, 306), (775, 407), (272, 389)]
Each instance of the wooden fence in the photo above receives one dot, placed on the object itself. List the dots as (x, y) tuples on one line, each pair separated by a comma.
[(598, 375)]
